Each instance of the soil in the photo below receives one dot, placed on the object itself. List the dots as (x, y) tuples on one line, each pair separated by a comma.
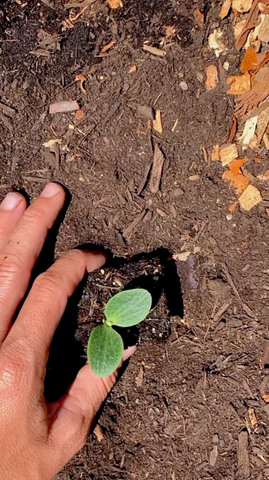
[(183, 406)]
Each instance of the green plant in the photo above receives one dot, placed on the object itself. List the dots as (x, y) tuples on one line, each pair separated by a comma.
[(105, 345)]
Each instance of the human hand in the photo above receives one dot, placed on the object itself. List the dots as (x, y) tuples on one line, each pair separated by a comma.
[(37, 439)]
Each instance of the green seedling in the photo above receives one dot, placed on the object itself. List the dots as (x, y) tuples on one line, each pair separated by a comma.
[(105, 345)]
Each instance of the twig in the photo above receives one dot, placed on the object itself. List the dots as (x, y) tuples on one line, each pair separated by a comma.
[(232, 285)]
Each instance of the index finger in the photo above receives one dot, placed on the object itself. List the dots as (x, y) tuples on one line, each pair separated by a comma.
[(43, 309)]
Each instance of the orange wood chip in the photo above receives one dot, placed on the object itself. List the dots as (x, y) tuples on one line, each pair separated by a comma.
[(199, 16), (133, 69), (115, 3), (79, 114), (235, 165), (240, 84), (239, 181), (212, 77), (242, 6), (233, 129), (225, 8), (232, 207), (249, 61), (259, 91), (170, 31)]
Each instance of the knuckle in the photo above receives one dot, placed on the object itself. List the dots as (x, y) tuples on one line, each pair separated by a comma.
[(14, 368), (47, 282), (10, 264), (33, 216)]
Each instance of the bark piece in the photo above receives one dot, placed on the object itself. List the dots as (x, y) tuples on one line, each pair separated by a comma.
[(63, 106), (243, 471), (157, 168)]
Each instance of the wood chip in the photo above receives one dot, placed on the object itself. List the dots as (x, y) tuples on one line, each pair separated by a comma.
[(133, 69), (261, 32), (259, 91), (225, 8), (242, 6), (266, 141), (239, 181), (262, 124), (233, 129), (154, 51), (199, 16), (250, 197), (215, 43), (228, 153), (243, 467), (239, 28), (212, 77), (215, 155), (115, 3), (249, 61), (250, 23), (157, 168), (264, 389), (63, 106), (157, 122), (98, 432), (239, 84), (145, 111), (79, 115), (8, 111), (139, 378), (248, 132)]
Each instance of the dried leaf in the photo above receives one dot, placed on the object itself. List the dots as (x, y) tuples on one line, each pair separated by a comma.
[(115, 3), (157, 168), (199, 16), (239, 181), (228, 153), (240, 84), (236, 164), (225, 8), (215, 155), (250, 197), (215, 43), (249, 130), (249, 61), (81, 78), (157, 122), (212, 77), (259, 91), (242, 6), (132, 69)]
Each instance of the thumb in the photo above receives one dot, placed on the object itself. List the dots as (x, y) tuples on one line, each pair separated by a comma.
[(74, 413)]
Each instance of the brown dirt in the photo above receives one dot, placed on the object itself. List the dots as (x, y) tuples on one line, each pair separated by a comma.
[(201, 373)]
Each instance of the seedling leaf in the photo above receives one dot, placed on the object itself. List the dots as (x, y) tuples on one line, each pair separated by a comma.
[(128, 308), (104, 351)]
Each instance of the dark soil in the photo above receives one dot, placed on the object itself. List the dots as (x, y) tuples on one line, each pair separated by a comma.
[(200, 362)]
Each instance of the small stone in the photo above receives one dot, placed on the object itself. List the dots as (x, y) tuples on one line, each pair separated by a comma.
[(229, 216), (178, 192), (183, 85)]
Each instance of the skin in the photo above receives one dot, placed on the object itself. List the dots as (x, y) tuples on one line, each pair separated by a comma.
[(37, 439)]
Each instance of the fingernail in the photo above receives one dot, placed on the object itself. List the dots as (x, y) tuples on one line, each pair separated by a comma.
[(11, 201), (50, 190), (128, 352)]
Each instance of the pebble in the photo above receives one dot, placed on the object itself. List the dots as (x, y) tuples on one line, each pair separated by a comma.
[(183, 85)]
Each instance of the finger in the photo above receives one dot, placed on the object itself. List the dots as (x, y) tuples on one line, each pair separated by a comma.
[(74, 413), (11, 210), (18, 257), (43, 309)]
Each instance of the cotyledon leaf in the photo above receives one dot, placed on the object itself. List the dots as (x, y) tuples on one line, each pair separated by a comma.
[(104, 351), (128, 308)]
